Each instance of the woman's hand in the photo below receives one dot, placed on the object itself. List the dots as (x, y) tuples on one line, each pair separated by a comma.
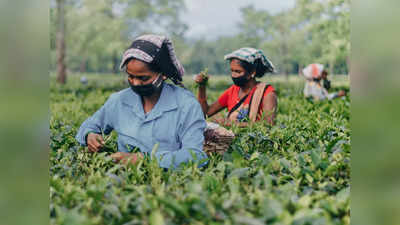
[(94, 142), (127, 158), (222, 121), (201, 79), (342, 93)]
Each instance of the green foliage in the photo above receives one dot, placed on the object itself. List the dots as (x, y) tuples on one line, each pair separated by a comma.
[(98, 31), (312, 31), (296, 172)]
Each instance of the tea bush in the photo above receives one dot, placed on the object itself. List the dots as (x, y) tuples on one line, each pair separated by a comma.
[(296, 172)]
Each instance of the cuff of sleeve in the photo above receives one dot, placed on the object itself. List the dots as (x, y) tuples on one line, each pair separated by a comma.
[(333, 95), (81, 136)]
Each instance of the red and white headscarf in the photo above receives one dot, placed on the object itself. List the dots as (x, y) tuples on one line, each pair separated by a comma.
[(313, 71)]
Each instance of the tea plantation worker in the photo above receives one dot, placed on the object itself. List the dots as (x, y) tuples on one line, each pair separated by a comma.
[(150, 111), (314, 89), (247, 99)]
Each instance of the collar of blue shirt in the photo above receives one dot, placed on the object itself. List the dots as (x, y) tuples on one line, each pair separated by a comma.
[(167, 102)]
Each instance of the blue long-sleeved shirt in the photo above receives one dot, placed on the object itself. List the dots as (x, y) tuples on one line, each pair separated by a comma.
[(176, 123)]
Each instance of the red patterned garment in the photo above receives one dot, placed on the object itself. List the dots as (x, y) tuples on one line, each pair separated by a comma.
[(230, 98)]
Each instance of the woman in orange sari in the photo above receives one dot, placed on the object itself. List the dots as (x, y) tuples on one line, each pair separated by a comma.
[(247, 99)]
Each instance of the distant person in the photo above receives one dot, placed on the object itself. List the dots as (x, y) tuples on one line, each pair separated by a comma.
[(151, 111), (247, 99), (84, 80), (317, 84)]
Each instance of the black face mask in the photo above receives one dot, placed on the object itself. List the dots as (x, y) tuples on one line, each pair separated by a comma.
[(148, 89), (327, 84), (240, 81)]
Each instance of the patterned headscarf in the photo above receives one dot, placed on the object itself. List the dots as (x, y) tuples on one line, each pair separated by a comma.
[(252, 56), (313, 71), (157, 50)]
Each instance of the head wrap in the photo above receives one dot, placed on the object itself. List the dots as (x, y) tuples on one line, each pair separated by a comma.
[(313, 71), (252, 56), (158, 50)]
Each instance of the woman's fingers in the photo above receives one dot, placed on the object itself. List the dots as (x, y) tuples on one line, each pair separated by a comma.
[(93, 147), (131, 158), (201, 79), (90, 145), (125, 157), (95, 142), (198, 78), (100, 140), (117, 156)]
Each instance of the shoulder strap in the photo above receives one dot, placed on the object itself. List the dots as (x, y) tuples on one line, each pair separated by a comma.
[(237, 105), (256, 99)]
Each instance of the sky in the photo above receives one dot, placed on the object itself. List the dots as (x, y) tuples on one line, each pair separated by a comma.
[(212, 18)]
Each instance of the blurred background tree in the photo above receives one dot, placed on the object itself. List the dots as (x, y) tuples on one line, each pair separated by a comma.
[(98, 31)]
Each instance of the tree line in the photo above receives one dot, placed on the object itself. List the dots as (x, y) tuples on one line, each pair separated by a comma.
[(90, 35)]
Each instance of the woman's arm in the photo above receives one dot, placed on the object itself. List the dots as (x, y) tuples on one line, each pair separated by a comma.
[(100, 122), (270, 103), (202, 98)]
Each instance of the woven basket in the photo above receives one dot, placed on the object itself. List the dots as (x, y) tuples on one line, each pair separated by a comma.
[(217, 139)]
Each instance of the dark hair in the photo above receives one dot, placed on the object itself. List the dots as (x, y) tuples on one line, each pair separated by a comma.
[(250, 67), (154, 67)]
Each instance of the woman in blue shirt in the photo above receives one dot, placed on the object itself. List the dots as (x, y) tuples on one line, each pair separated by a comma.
[(150, 111)]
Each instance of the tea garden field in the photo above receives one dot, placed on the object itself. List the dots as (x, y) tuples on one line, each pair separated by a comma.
[(294, 173)]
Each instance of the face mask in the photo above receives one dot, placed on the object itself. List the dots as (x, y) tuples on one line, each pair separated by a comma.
[(240, 81), (327, 84), (148, 89)]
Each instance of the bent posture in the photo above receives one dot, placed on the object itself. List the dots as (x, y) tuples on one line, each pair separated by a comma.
[(150, 111), (315, 74)]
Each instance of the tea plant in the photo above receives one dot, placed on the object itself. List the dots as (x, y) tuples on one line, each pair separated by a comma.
[(296, 172)]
